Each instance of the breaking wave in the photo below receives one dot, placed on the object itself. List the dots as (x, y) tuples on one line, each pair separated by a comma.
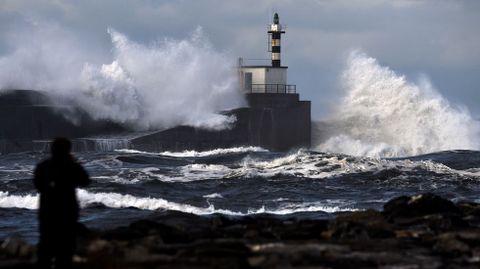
[(193, 153), (117, 200), (384, 115), (27, 201), (302, 163), (159, 85)]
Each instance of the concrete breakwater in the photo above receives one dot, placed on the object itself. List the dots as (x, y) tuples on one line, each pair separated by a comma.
[(29, 120)]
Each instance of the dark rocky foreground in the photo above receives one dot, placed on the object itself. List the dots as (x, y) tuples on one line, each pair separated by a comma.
[(423, 231)]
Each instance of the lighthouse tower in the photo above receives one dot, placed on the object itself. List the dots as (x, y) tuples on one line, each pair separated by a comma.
[(267, 78), (275, 35)]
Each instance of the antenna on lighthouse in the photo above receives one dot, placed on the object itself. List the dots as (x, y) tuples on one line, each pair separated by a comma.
[(275, 33)]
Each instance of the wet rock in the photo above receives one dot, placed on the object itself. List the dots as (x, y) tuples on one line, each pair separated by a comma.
[(17, 248), (472, 237), (137, 254), (100, 248), (469, 208), (360, 225), (222, 248), (121, 233), (272, 255), (418, 206), (471, 212), (448, 244)]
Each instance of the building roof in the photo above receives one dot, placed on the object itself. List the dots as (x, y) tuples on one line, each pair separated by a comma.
[(262, 66)]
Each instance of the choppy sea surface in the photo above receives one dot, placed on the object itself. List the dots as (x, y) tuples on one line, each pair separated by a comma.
[(128, 184)]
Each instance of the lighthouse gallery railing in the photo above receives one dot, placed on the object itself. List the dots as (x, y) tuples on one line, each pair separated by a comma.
[(271, 88)]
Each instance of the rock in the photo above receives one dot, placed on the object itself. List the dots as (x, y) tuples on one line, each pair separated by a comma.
[(121, 233), (100, 248), (471, 212), (472, 237), (449, 245), (301, 230), (293, 255), (222, 248), (360, 225), (168, 233), (17, 248), (469, 208), (418, 206), (137, 254)]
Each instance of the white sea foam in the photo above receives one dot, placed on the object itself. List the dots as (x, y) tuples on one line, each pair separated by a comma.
[(116, 179), (384, 115), (213, 195), (117, 200), (188, 173), (109, 144), (106, 163), (297, 164), (292, 208), (193, 153), (27, 201), (317, 166)]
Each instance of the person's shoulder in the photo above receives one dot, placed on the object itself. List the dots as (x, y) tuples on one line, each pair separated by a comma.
[(76, 164), (44, 163), (43, 167)]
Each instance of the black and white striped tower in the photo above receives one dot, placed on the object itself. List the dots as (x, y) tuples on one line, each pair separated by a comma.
[(275, 32)]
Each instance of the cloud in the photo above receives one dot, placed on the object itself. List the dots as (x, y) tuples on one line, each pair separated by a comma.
[(440, 38)]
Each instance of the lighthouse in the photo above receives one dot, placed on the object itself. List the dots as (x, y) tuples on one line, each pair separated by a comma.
[(275, 35), (277, 118), (268, 78)]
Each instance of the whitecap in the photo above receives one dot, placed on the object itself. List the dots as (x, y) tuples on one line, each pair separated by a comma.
[(28, 201), (193, 153), (213, 195), (117, 200)]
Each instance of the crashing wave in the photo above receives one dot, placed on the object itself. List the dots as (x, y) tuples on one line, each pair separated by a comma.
[(385, 115), (117, 200)]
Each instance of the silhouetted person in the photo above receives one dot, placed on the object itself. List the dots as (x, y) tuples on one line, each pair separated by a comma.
[(56, 179)]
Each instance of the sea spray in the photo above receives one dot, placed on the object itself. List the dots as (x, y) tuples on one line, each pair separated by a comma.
[(384, 115), (165, 84), (162, 84)]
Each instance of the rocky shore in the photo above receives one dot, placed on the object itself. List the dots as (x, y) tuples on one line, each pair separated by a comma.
[(424, 231)]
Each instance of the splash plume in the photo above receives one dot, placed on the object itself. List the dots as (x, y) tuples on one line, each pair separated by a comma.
[(159, 85), (384, 115)]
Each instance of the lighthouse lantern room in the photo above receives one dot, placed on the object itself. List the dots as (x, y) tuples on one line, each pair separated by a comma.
[(267, 78)]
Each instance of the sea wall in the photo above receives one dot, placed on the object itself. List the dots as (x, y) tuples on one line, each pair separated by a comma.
[(278, 122), (28, 119)]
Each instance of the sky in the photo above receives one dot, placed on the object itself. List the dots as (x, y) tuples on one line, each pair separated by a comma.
[(439, 39)]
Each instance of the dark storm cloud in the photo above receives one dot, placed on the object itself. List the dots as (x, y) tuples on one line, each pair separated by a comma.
[(437, 38)]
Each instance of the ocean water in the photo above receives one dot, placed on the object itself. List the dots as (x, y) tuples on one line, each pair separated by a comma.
[(129, 184), (359, 157)]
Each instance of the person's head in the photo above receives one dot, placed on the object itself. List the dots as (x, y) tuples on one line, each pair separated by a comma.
[(61, 147)]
